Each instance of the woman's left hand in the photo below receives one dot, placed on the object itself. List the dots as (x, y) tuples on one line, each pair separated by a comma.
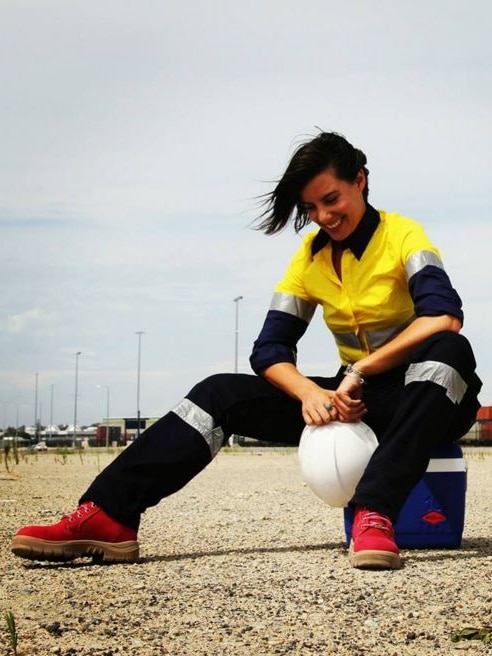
[(348, 400)]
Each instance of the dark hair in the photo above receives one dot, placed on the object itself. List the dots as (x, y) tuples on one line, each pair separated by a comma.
[(328, 150)]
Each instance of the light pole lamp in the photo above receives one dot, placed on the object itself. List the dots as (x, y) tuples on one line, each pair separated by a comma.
[(139, 333), (236, 333), (77, 355)]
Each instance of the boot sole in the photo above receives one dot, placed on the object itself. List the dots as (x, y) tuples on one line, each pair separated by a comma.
[(373, 559), (110, 552)]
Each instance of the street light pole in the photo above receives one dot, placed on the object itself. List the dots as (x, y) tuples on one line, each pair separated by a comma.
[(139, 333), (16, 437), (107, 413), (233, 438), (236, 333), (107, 416), (76, 392), (36, 429), (51, 414)]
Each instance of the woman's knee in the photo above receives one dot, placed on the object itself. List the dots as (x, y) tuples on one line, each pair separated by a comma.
[(449, 348), (223, 390), (215, 381)]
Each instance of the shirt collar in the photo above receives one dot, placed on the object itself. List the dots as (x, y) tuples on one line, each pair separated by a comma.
[(358, 240)]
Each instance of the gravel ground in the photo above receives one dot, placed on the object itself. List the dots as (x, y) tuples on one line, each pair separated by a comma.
[(244, 561)]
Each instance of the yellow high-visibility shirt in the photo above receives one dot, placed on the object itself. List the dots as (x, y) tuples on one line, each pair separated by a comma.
[(390, 273)]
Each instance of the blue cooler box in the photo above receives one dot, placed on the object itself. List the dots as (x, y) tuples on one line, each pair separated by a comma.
[(434, 513)]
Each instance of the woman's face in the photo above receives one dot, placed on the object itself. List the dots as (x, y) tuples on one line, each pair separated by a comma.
[(335, 205)]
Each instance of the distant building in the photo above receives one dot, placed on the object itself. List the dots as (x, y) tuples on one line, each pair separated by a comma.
[(128, 426)]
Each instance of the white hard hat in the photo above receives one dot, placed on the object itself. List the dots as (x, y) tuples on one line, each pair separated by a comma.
[(333, 458)]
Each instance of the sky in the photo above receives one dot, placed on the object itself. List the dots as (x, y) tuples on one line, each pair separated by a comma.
[(136, 138)]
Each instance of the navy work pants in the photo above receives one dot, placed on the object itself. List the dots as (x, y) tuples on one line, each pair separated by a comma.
[(428, 402)]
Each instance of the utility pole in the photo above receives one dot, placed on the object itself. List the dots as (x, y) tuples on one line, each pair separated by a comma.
[(36, 423), (77, 355), (236, 334), (234, 438), (51, 414), (139, 333)]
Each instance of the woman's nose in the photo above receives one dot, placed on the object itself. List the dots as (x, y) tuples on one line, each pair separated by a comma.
[(323, 215)]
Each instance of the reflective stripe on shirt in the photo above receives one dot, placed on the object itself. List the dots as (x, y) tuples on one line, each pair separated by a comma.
[(347, 339), (417, 261), (377, 338), (293, 305)]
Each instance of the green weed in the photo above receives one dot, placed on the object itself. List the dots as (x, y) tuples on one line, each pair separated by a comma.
[(12, 629), (484, 634)]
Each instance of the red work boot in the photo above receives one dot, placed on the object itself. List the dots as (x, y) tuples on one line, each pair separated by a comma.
[(88, 531), (373, 543)]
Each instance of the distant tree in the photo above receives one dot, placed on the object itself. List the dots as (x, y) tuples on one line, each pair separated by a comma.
[(16, 432)]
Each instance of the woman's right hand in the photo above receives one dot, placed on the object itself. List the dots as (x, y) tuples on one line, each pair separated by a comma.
[(318, 406)]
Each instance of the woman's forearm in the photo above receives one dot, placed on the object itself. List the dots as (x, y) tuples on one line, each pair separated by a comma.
[(395, 352), (289, 379)]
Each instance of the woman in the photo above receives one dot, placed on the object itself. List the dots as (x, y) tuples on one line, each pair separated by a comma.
[(405, 369)]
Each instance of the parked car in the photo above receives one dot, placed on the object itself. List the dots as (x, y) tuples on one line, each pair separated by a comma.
[(40, 446)]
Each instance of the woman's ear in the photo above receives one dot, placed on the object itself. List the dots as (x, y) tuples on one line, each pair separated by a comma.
[(361, 180)]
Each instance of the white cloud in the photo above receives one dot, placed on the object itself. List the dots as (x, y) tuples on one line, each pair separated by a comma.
[(28, 320)]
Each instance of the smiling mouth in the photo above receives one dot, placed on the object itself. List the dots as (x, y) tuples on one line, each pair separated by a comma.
[(332, 226)]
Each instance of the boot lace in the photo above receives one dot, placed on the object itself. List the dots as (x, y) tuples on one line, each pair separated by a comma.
[(375, 520), (79, 512)]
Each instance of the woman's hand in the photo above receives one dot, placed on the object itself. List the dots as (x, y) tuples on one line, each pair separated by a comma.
[(347, 400), (318, 406)]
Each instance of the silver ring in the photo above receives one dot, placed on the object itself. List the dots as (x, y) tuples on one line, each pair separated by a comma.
[(329, 406)]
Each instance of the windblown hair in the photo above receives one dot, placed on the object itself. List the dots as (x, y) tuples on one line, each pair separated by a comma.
[(328, 150)]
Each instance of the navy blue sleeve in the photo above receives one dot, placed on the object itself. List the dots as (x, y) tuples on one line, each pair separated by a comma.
[(433, 294), (277, 341)]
